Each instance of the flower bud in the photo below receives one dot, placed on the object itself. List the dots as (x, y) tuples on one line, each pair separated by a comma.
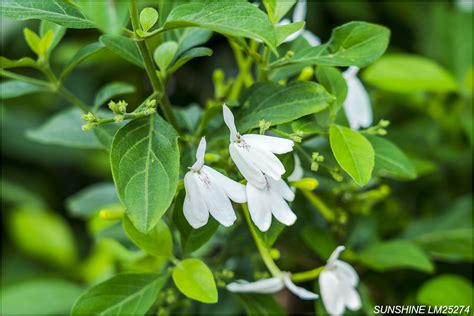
[(88, 127)]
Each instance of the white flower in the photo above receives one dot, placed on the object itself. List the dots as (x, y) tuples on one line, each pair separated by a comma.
[(299, 15), (338, 283), (357, 103), (272, 285), (208, 191), (254, 154), (270, 200)]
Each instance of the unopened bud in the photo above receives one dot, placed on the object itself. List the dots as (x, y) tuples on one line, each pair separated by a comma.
[(275, 254), (88, 127), (306, 74), (314, 166), (382, 131), (384, 123), (118, 118), (89, 117), (289, 54), (264, 125), (111, 214), (296, 139), (305, 184)]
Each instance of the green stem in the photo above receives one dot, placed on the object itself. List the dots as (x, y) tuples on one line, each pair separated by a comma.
[(267, 259), (244, 76), (307, 275), (15, 76), (263, 67), (66, 94), (325, 211)]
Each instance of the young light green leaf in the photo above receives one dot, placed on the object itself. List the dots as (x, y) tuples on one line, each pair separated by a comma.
[(164, 54), (80, 56), (285, 30), (14, 88), (446, 290), (390, 161), (157, 242), (124, 47), (395, 254), (45, 43), (353, 152), (148, 18), (32, 39), (60, 12), (57, 30), (403, 73), (124, 294), (64, 128), (111, 90), (38, 294), (234, 19), (195, 280), (277, 9), (109, 15), (332, 79), (281, 104), (189, 55), (6, 63), (89, 201), (145, 166)]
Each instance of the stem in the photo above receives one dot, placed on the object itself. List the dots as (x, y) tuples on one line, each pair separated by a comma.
[(66, 94), (267, 259), (325, 211), (15, 76), (244, 66), (263, 67), (307, 275)]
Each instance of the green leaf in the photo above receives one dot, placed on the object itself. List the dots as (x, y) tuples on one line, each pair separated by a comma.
[(89, 201), (332, 79), (283, 31), (157, 242), (124, 47), (32, 40), (320, 240), (278, 9), (64, 128), (390, 161), (234, 19), (6, 63), (195, 280), (58, 32), (35, 297), (395, 254), (60, 12), (353, 152), (110, 16), (164, 54), (189, 55), (446, 290), (352, 44), (105, 133), (259, 304), (191, 37), (148, 18), (43, 235), (124, 294), (80, 56), (279, 104), (145, 166), (403, 73), (14, 88), (111, 90)]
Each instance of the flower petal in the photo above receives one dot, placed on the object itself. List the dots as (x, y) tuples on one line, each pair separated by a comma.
[(352, 299), (281, 210), (298, 171), (229, 121), (233, 189), (259, 208), (357, 104), (276, 145), (264, 286), (200, 152), (194, 207), (248, 170), (332, 299), (299, 13), (302, 293), (264, 160), (312, 39), (280, 187), (335, 255), (347, 272)]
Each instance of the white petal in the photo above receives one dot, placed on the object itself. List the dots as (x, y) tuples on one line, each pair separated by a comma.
[(259, 208), (264, 160), (312, 39), (281, 210), (335, 255), (298, 171), (284, 22), (346, 272), (276, 145), (217, 201), (357, 104), (194, 207), (201, 151), (292, 37), (280, 187), (302, 293), (352, 299), (332, 299), (233, 189), (299, 13), (248, 170), (350, 72), (264, 286), (229, 121)]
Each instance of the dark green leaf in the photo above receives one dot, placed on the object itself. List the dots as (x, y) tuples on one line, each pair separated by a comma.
[(105, 133), (80, 56), (195, 280), (281, 104), (14, 88), (111, 90), (189, 55), (320, 240), (145, 166), (446, 290), (259, 304), (124, 47), (124, 294), (92, 199), (191, 37), (332, 79)]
